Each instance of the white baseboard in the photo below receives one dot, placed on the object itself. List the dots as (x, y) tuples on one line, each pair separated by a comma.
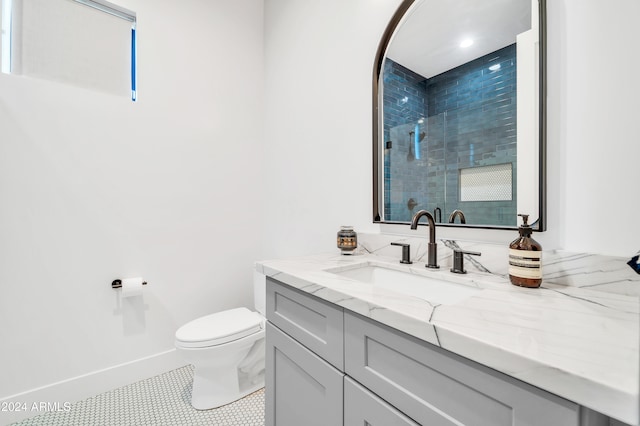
[(57, 396)]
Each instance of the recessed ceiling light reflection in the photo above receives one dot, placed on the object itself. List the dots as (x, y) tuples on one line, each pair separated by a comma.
[(466, 42), (495, 67)]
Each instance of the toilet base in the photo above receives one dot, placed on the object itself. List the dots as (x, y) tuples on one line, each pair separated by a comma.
[(220, 378), (207, 394)]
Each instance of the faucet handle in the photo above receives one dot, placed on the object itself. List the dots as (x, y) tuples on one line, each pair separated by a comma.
[(406, 252), (458, 260)]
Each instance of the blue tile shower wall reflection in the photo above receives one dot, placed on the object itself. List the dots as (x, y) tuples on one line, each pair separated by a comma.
[(405, 103), (468, 117)]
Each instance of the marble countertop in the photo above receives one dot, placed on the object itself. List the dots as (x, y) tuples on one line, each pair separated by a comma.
[(576, 336)]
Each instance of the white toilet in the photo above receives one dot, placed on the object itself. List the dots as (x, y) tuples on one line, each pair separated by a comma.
[(228, 353)]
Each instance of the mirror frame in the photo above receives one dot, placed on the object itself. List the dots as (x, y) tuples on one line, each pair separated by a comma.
[(542, 121)]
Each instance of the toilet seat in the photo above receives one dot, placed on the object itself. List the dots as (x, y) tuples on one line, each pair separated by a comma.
[(219, 328)]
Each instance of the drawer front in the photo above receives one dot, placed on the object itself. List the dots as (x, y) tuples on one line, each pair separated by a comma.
[(316, 324), (301, 388), (436, 387), (361, 407)]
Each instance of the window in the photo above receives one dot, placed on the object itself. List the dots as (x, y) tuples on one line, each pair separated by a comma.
[(86, 43)]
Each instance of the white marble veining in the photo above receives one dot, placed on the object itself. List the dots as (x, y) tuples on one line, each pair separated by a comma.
[(576, 336)]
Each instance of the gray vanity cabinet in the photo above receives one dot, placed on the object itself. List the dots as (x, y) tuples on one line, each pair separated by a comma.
[(302, 389), (392, 379), (304, 345), (316, 324), (362, 407), (436, 387)]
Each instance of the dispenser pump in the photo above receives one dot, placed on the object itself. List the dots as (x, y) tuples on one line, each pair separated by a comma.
[(525, 257), (525, 228)]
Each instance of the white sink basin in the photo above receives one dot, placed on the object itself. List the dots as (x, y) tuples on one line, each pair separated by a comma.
[(434, 290)]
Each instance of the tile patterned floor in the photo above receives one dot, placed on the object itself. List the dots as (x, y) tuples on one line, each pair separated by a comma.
[(157, 401)]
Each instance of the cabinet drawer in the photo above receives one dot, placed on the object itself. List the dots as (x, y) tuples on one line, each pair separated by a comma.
[(316, 324), (435, 387), (361, 407)]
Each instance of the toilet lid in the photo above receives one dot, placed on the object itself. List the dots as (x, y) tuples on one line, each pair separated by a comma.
[(219, 328)]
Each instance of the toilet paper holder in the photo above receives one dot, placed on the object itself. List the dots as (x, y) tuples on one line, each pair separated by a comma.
[(118, 283)]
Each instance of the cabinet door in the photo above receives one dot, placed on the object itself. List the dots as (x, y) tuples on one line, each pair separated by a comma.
[(315, 323), (361, 407), (437, 388), (301, 388)]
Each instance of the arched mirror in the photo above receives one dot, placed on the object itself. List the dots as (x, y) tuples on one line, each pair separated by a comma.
[(459, 113)]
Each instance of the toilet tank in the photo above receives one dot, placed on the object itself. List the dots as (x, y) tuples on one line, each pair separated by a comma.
[(260, 292)]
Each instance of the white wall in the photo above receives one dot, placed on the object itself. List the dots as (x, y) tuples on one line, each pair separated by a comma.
[(593, 113), (319, 59), (94, 187), (318, 65)]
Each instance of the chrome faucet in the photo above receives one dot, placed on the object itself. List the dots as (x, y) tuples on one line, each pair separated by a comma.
[(432, 247), (452, 216)]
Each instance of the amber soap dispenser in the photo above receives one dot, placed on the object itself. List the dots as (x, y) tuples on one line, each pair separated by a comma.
[(525, 258)]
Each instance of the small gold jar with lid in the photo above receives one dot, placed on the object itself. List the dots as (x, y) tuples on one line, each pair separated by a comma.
[(347, 240)]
